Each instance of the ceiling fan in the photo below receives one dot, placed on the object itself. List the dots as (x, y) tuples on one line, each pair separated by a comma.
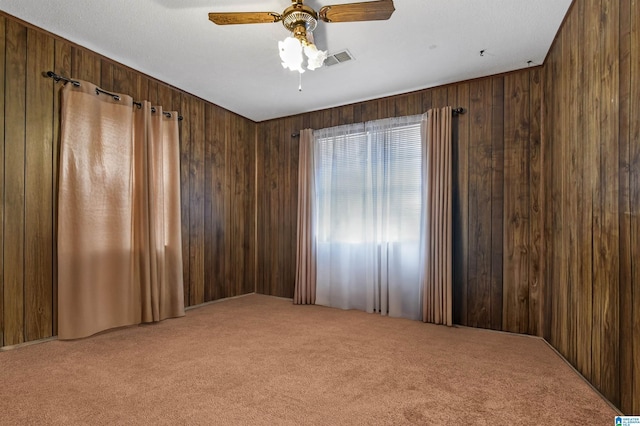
[(301, 20)]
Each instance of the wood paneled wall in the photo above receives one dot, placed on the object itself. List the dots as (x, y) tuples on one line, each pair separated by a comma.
[(592, 182), (546, 190), (546, 230), (217, 179), (498, 219)]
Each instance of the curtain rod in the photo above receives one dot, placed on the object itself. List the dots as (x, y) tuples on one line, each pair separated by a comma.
[(454, 112), (57, 78)]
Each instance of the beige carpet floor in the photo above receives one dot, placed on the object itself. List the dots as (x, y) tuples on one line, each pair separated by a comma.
[(262, 360)]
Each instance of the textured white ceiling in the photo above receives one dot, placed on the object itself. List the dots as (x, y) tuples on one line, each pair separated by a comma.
[(426, 43)]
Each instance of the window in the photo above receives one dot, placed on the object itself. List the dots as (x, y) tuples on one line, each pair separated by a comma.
[(368, 220), (368, 181)]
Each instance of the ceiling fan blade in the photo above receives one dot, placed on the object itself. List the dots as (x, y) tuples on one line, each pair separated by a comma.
[(230, 18), (365, 11)]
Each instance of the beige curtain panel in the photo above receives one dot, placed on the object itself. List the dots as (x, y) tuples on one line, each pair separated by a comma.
[(436, 166), (305, 284), (119, 256)]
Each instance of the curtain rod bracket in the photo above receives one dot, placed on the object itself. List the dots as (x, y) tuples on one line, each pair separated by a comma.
[(57, 78)]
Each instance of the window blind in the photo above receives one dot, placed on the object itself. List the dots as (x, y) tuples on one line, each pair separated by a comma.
[(368, 181)]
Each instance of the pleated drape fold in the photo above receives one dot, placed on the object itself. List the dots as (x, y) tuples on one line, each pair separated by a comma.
[(437, 239), (119, 256), (305, 284)]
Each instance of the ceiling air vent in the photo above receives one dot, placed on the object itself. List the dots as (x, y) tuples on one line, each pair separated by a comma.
[(338, 58)]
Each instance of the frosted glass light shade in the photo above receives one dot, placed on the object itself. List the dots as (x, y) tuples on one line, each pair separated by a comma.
[(291, 54), (315, 57)]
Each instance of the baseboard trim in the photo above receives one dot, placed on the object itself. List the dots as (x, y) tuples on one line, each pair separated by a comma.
[(584, 379), (32, 342), (212, 302)]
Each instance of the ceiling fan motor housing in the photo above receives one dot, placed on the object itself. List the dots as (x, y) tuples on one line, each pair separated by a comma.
[(299, 19)]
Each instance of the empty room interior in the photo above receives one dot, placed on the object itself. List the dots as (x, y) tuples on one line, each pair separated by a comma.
[(198, 275)]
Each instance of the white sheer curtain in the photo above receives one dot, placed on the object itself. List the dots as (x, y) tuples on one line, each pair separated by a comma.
[(368, 189)]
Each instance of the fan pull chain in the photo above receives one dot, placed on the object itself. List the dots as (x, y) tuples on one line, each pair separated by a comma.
[(300, 82)]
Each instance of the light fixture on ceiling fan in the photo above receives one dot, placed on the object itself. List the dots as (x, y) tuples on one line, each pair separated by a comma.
[(301, 20)]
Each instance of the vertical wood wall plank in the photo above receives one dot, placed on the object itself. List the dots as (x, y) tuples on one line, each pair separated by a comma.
[(165, 98), (14, 171), (196, 201), (624, 209), (383, 109), (595, 112), (228, 200), (584, 286), (283, 195), (38, 262), (230, 207), (261, 159), (85, 65), (536, 288), (280, 176), (452, 95), (241, 218), (185, 191), (461, 208), (564, 308), (62, 66), (176, 102), (288, 242), (275, 192), (247, 282), (346, 116), (260, 204), (125, 81), (609, 146), (497, 183), (2, 168), (516, 203), (634, 201), (546, 202), (439, 97), (479, 286), (633, 321), (315, 122), (214, 204), (567, 116), (414, 105), (265, 154), (605, 235), (558, 274), (293, 189), (152, 92), (401, 106), (369, 112), (106, 76), (335, 118), (142, 90), (427, 101)]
